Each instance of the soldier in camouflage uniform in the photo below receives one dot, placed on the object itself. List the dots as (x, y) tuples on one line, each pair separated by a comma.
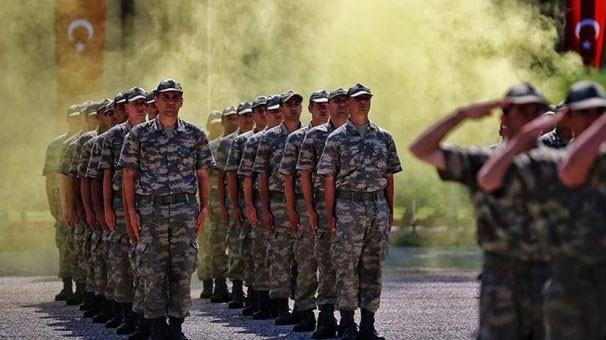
[(313, 192), (271, 189), (515, 263), (269, 108), (150, 105), (170, 159), (236, 197), (230, 229), (358, 162), (204, 271), (307, 265), (122, 249), (62, 229), (567, 214), (558, 138)]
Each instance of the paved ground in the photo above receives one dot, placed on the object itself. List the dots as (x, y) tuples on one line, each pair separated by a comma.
[(416, 305)]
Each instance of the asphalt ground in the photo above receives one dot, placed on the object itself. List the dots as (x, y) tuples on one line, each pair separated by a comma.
[(416, 304)]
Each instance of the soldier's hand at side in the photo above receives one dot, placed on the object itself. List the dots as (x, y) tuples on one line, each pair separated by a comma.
[(238, 216), (135, 224), (313, 220), (251, 213), (293, 219), (90, 219), (224, 214), (201, 221), (481, 109), (110, 219), (268, 218), (332, 225)]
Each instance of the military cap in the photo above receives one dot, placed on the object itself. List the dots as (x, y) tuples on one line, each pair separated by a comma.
[(244, 108), (339, 91), (230, 110), (120, 97), (101, 105), (91, 108), (213, 118), (135, 93), (151, 97), (273, 102), (109, 107), (260, 100), (358, 90), (288, 95), (525, 93), (585, 95), (319, 96), (167, 85), (74, 110)]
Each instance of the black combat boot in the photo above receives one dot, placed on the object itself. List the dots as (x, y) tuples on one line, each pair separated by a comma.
[(106, 312), (143, 331), (284, 316), (207, 289), (250, 304), (264, 306), (174, 329), (159, 329), (348, 326), (237, 295), (327, 325), (307, 323), (367, 327), (117, 319), (220, 295), (78, 296), (66, 292), (129, 324), (95, 307)]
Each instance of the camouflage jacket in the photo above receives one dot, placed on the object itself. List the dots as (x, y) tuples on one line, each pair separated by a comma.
[(214, 145), (311, 151), (165, 164), (51, 159), (110, 152), (76, 156), (249, 155), (359, 163), (69, 147), (94, 170), (235, 153), (288, 165), (85, 154)]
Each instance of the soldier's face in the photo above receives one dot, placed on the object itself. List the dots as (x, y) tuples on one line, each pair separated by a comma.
[(516, 116), (108, 119), (291, 109), (231, 122), (246, 121), (119, 113), (273, 117), (169, 103), (359, 105), (214, 130), (151, 110), (579, 120), (135, 110), (92, 121), (339, 107), (319, 111), (258, 114)]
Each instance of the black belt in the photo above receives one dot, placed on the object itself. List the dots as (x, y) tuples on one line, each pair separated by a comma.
[(360, 196), (168, 199), (278, 195)]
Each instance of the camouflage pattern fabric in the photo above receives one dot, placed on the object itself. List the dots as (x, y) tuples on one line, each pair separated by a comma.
[(307, 264), (93, 169), (136, 252), (311, 151), (110, 152), (248, 157), (269, 156), (80, 249), (81, 157), (98, 252), (281, 252), (217, 265), (93, 240), (261, 238), (288, 163), (122, 268), (85, 156), (204, 268), (68, 149)]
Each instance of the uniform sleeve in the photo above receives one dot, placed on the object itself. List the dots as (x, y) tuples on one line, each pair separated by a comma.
[(129, 156), (92, 170), (83, 161), (393, 160), (248, 157), (288, 164), (47, 168), (329, 161), (305, 162), (63, 166), (204, 157), (107, 157), (73, 164), (234, 155), (222, 151), (263, 156), (462, 165)]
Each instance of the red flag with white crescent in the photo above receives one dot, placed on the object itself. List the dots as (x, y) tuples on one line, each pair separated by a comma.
[(585, 26)]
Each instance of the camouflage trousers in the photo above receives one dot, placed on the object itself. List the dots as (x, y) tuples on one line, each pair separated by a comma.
[(359, 250), (245, 246), (575, 301), (169, 255), (511, 298), (136, 252), (307, 265), (327, 289), (80, 240), (204, 268), (63, 240), (260, 251), (281, 250), (236, 262), (92, 238), (100, 253), (122, 271), (218, 242)]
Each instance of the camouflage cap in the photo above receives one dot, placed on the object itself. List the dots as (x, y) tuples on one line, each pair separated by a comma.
[(244, 108), (120, 97), (91, 108), (358, 90), (585, 94), (525, 93), (319, 96), (273, 102), (167, 85), (230, 110), (101, 106), (339, 91), (74, 110), (109, 107), (214, 118), (288, 95), (151, 97), (135, 93), (260, 100)]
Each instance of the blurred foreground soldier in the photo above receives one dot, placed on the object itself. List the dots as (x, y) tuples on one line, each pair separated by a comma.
[(204, 271), (515, 263), (358, 162), (313, 192), (269, 109), (568, 214), (170, 158), (150, 105), (221, 267), (558, 138), (307, 265), (241, 237), (62, 229), (271, 189)]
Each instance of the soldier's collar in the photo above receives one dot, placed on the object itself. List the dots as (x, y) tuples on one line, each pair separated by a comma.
[(128, 125), (284, 129), (351, 127), (158, 125)]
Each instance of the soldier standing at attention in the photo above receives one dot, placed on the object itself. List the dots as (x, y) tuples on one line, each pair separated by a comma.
[(62, 229), (358, 162), (307, 265), (170, 158), (313, 192), (220, 230), (204, 271), (236, 196), (150, 105), (270, 109), (271, 189)]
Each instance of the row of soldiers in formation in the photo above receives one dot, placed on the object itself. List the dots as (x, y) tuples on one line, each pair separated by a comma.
[(539, 202), (301, 212)]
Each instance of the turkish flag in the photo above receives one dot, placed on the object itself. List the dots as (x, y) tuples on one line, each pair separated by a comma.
[(80, 33), (585, 21)]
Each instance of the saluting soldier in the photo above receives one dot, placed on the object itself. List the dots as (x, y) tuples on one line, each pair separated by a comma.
[(358, 162), (170, 160)]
